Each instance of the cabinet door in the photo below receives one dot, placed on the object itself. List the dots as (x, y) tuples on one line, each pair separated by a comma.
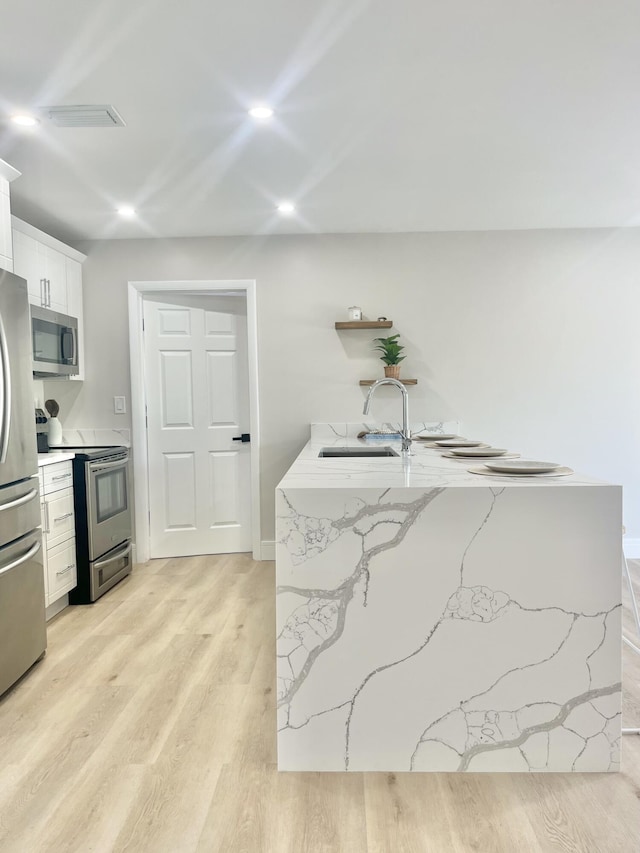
[(27, 263), (6, 251), (75, 308), (56, 275), (61, 569), (59, 519), (43, 521)]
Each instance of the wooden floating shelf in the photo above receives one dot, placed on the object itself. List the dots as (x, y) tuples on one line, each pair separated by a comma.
[(364, 324), (404, 381)]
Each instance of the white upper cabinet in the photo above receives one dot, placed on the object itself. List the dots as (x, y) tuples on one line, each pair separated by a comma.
[(52, 264), (54, 275), (6, 262), (7, 174), (44, 265), (26, 264), (74, 306)]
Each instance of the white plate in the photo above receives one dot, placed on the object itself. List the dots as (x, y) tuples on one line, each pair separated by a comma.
[(435, 437), (557, 472), (476, 457), (461, 442), (478, 451), (523, 466)]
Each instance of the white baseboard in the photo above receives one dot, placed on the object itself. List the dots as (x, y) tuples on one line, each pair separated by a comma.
[(134, 554), (268, 549), (631, 548)]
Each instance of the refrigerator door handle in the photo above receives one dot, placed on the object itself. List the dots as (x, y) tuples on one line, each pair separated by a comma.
[(24, 499), (30, 553), (5, 394)]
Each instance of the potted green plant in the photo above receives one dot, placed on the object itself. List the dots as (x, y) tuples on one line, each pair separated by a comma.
[(390, 351)]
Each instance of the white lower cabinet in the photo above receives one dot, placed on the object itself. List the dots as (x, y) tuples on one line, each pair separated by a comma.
[(61, 570), (58, 530)]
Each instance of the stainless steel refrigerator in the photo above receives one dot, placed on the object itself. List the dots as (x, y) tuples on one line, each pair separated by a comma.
[(23, 637)]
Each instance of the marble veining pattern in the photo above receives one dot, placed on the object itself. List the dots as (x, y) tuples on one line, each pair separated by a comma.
[(418, 428), (435, 630), (89, 437)]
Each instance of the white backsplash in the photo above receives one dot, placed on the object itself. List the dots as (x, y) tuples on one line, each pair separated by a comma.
[(330, 431), (92, 437)]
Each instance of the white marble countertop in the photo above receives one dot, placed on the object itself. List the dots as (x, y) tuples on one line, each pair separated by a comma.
[(433, 620), (425, 467), (54, 456)]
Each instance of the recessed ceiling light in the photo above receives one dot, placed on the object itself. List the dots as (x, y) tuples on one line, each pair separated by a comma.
[(127, 212), (261, 112), (24, 120), (286, 208)]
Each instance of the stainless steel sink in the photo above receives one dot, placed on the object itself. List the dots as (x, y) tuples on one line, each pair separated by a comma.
[(348, 452)]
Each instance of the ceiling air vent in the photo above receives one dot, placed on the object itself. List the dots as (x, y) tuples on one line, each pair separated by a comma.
[(84, 115)]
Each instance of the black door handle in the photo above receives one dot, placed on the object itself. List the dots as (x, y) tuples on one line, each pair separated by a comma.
[(243, 438)]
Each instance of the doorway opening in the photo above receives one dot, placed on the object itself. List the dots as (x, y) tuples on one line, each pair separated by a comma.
[(195, 417)]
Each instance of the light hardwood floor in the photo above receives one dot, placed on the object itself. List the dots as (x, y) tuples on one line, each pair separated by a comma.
[(150, 726)]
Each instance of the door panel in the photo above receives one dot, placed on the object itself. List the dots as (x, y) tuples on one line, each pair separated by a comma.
[(222, 380), (197, 395), (177, 381), (174, 321), (180, 491), (223, 485)]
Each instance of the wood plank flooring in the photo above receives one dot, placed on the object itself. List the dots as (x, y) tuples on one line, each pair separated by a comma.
[(150, 726)]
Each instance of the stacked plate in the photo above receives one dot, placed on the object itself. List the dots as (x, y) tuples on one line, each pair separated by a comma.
[(482, 452), (434, 436), (458, 441), (457, 447)]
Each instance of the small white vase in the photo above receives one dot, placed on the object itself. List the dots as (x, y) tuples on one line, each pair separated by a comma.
[(55, 432)]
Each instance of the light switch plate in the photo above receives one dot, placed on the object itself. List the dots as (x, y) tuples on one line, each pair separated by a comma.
[(119, 406)]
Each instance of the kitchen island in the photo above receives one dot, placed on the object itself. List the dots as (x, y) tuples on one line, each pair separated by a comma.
[(430, 619)]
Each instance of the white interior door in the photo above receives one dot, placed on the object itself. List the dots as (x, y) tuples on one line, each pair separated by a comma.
[(197, 397)]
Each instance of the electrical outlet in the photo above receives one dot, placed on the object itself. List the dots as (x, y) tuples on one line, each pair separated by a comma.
[(119, 406)]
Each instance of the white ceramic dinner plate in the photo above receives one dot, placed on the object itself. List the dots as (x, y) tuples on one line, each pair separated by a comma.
[(523, 466), (556, 472), (435, 437), (477, 451), (449, 454), (461, 442)]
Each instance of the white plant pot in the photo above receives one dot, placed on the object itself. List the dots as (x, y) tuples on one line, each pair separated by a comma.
[(55, 432)]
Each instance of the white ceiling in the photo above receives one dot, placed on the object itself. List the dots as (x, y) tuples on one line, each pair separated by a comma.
[(392, 115)]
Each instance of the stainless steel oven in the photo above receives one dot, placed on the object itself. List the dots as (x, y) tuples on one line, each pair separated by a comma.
[(54, 343), (108, 510), (103, 520)]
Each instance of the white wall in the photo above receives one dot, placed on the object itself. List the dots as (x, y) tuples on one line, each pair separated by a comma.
[(530, 338)]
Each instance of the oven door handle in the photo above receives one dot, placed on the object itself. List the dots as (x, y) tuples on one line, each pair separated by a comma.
[(124, 553), (98, 466)]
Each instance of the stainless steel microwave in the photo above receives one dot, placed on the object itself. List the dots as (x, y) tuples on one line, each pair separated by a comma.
[(54, 343)]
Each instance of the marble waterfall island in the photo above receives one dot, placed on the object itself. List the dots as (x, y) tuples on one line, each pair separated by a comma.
[(432, 620)]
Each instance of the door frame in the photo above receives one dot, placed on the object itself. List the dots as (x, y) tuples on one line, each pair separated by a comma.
[(137, 292)]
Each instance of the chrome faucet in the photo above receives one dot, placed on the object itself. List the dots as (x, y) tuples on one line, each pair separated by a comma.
[(406, 432)]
